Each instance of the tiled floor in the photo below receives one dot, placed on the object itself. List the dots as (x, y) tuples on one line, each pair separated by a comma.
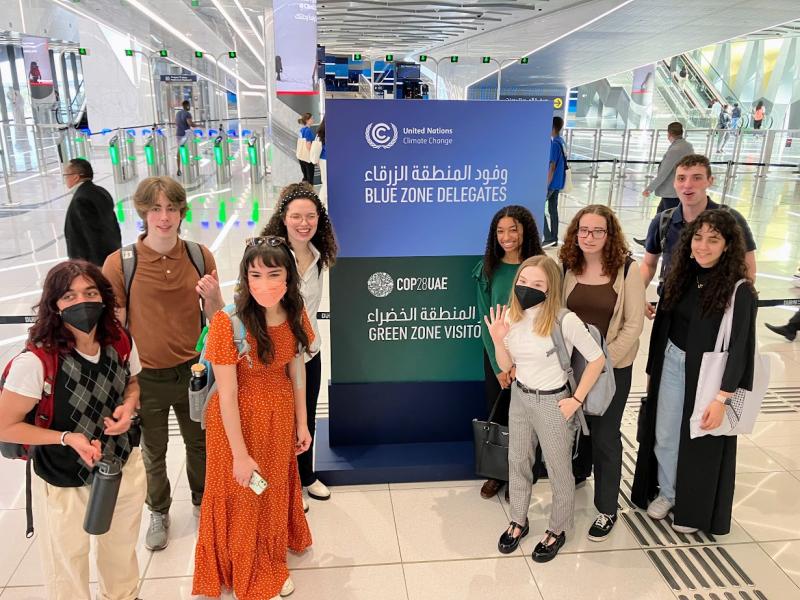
[(438, 540)]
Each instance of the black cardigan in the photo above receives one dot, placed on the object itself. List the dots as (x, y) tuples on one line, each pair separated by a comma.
[(706, 465)]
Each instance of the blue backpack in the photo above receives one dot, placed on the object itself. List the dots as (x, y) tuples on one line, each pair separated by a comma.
[(198, 399)]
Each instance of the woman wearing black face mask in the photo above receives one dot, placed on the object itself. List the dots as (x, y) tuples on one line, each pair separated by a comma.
[(542, 410), (71, 396)]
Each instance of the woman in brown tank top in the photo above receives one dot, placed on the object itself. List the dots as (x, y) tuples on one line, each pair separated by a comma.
[(603, 286)]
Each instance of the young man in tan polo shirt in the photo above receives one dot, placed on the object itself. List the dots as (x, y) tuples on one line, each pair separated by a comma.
[(162, 308)]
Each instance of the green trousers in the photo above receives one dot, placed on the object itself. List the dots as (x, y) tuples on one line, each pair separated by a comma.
[(163, 389)]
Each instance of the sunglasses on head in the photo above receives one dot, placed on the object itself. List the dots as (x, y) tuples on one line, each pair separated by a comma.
[(270, 240)]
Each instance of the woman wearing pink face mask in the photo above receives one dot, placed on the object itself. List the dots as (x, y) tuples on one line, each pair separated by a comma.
[(256, 425)]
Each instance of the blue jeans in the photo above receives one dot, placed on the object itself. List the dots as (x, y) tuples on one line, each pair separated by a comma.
[(551, 227), (669, 414)]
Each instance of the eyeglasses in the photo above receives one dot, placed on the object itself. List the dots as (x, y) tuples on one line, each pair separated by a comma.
[(270, 240), (296, 219), (68, 174), (585, 232)]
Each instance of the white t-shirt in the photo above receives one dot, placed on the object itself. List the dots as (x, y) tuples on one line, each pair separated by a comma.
[(26, 375), (529, 351)]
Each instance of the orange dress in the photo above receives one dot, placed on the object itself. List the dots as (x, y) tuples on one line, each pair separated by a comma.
[(243, 538)]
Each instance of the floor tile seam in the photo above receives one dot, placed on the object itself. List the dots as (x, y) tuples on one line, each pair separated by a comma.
[(769, 556), (19, 564), (399, 548)]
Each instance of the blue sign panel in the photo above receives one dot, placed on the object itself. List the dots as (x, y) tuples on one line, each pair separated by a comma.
[(425, 178)]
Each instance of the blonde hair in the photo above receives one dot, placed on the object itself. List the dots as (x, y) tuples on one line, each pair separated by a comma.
[(146, 196), (548, 312)]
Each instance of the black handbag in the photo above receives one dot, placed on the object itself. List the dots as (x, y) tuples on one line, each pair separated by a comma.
[(491, 447)]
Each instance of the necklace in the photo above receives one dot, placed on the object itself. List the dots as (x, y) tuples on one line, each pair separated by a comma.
[(699, 285)]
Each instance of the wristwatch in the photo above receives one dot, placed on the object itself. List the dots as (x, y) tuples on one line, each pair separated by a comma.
[(723, 400)]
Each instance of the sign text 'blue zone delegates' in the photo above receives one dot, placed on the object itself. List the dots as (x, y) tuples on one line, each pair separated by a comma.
[(425, 178)]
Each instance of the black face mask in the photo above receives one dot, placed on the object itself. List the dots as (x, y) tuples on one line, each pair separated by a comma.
[(83, 316), (528, 297)]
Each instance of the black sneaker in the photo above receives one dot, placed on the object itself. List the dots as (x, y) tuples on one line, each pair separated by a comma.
[(544, 552), (508, 543), (601, 527)]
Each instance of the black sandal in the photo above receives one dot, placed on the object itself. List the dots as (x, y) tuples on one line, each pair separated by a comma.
[(544, 551), (508, 542)]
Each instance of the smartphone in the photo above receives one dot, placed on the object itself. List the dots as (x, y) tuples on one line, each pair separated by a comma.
[(257, 483)]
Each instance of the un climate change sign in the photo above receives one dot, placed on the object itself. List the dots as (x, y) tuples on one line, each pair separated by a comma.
[(413, 187)]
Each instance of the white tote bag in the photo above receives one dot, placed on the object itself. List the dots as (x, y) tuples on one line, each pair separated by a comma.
[(315, 151), (740, 415)]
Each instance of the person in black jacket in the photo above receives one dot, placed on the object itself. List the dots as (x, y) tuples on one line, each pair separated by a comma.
[(90, 228), (695, 478)]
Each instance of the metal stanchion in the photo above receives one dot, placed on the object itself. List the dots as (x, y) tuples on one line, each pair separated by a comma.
[(726, 185), (255, 157), (189, 155), (221, 162), (767, 144), (596, 152), (83, 145), (37, 144), (626, 146), (652, 152), (710, 141), (737, 151), (9, 201), (611, 182), (115, 153)]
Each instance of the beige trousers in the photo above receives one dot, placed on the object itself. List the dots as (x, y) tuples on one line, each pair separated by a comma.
[(64, 545)]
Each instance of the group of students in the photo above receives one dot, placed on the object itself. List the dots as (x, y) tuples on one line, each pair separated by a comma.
[(112, 349), (522, 293)]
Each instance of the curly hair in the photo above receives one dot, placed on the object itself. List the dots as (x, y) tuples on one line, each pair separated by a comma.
[(324, 239), (49, 330), (615, 250), (717, 290), (253, 315), (531, 244)]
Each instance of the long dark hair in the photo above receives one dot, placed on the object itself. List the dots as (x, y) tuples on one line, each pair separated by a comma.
[(49, 329), (531, 244), (615, 250), (324, 239), (321, 130), (253, 315), (717, 289)]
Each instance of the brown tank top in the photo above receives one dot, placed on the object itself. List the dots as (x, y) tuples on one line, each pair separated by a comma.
[(594, 304)]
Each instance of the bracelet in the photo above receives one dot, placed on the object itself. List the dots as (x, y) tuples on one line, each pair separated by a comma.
[(64, 436), (577, 400)]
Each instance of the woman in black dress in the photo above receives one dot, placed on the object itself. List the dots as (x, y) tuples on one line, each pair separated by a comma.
[(694, 478)]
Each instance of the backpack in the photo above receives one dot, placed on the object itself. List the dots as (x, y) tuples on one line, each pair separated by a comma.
[(42, 414), (199, 398), (599, 397), (129, 260)]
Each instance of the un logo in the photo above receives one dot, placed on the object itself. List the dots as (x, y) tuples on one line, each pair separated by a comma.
[(381, 135)]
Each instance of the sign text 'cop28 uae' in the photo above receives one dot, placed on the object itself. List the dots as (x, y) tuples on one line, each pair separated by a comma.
[(425, 178)]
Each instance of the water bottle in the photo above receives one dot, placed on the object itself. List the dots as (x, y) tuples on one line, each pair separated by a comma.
[(103, 497), (197, 392)]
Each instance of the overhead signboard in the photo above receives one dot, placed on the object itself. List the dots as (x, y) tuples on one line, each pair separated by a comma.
[(295, 28), (178, 78)]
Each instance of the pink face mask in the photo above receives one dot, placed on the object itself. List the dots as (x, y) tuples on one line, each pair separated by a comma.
[(268, 294)]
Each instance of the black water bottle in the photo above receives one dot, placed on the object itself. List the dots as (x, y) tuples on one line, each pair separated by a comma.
[(103, 497), (197, 391)]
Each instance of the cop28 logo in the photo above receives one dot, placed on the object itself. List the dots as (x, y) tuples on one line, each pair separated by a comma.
[(381, 135)]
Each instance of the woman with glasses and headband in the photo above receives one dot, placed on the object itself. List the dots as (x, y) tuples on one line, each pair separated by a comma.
[(255, 426), (603, 286), (302, 219)]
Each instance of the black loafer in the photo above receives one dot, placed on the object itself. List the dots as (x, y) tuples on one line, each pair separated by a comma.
[(508, 543), (544, 553)]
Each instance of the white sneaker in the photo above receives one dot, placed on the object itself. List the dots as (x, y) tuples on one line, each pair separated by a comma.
[(288, 587), (684, 529), (319, 491), (305, 505), (659, 508)]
